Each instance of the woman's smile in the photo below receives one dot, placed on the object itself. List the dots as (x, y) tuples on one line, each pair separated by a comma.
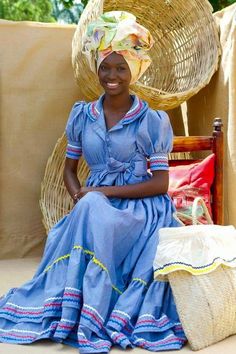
[(112, 85)]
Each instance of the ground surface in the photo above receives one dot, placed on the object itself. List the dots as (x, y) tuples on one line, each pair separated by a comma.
[(15, 272)]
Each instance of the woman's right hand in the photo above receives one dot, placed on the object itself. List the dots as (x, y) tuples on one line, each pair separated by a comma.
[(82, 192)]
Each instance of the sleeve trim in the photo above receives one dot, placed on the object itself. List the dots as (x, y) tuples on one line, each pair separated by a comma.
[(159, 161), (73, 151)]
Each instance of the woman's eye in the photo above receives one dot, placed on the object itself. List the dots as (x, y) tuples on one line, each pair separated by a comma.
[(103, 67), (120, 68)]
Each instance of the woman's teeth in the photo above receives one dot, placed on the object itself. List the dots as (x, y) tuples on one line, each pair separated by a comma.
[(112, 85)]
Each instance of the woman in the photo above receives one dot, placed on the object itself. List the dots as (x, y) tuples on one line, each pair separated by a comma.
[(94, 286)]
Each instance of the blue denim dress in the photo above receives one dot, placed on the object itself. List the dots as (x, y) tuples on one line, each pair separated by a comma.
[(94, 287)]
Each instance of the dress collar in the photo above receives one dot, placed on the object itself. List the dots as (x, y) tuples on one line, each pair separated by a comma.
[(138, 108)]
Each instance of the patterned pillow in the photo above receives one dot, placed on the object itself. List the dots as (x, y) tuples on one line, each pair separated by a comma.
[(188, 181)]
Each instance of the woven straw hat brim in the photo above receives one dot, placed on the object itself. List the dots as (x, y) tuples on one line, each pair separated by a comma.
[(184, 57)]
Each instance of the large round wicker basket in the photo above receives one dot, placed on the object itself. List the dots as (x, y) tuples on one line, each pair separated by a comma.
[(185, 54)]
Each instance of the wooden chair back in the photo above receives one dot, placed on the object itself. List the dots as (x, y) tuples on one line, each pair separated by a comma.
[(213, 144)]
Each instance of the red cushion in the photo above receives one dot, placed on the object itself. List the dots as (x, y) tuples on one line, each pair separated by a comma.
[(188, 181)]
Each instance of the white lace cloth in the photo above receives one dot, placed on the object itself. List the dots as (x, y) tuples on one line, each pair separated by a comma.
[(197, 249)]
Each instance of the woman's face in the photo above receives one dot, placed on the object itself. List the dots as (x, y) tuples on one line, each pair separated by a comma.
[(114, 74)]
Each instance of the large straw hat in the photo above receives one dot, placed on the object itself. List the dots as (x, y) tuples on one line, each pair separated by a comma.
[(185, 54)]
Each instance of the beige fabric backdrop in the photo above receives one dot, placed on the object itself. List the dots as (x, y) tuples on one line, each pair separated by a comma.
[(218, 99), (37, 92)]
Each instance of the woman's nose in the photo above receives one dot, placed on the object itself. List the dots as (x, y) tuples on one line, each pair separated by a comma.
[(112, 74)]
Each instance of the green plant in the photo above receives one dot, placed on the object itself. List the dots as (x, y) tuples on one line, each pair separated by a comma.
[(26, 10)]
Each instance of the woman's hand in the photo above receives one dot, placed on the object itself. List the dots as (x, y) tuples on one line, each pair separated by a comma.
[(82, 192)]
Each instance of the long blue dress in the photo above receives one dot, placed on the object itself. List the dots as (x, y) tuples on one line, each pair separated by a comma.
[(94, 287)]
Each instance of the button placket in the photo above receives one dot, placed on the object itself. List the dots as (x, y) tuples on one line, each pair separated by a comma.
[(108, 144)]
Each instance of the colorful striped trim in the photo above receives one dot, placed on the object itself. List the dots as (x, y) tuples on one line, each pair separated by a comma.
[(117, 319), (148, 321), (53, 304), (171, 340), (73, 151), (73, 297), (119, 323), (17, 333), (159, 161), (88, 344), (122, 313), (92, 318), (93, 111), (174, 266), (97, 344), (32, 315), (134, 112), (120, 339), (138, 108)]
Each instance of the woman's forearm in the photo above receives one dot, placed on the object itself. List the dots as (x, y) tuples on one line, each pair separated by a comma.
[(70, 177), (72, 183), (158, 184)]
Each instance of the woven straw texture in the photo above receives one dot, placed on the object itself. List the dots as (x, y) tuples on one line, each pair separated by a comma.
[(185, 54), (206, 305), (55, 202)]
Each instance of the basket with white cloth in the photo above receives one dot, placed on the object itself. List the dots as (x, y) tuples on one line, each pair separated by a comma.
[(199, 261)]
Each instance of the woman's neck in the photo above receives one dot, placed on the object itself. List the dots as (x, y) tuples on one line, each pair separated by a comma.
[(117, 103)]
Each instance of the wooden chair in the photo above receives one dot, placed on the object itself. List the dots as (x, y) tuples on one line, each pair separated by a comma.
[(55, 201), (213, 144)]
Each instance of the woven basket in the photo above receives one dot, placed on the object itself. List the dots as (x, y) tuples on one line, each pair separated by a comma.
[(55, 201), (206, 305), (185, 54)]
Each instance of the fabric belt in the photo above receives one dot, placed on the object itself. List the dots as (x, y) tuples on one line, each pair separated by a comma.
[(138, 168)]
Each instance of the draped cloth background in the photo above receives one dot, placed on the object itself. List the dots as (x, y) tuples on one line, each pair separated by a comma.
[(218, 99), (37, 92)]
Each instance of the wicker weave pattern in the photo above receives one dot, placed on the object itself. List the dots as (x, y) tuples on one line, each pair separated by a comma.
[(55, 201), (185, 54), (206, 305)]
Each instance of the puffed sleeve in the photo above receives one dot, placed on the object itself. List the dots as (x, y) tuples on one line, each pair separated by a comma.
[(155, 139), (74, 131)]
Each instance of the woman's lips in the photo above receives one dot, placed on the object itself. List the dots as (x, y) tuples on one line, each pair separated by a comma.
[(112, 85)]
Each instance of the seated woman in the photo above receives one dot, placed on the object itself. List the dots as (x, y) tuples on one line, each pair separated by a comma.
[(94, 287)]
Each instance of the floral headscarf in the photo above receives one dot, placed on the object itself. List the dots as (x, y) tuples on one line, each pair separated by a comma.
[(118, 31)]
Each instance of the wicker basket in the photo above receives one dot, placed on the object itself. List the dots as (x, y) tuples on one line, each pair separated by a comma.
[(55, 201), (205, 295), (185, 54), (206, 305)]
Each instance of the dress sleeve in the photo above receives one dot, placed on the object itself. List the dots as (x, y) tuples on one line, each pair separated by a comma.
[(74, 131), (155, 139)]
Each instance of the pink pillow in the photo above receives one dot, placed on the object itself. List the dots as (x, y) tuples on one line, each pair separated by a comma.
[(188, 181)]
